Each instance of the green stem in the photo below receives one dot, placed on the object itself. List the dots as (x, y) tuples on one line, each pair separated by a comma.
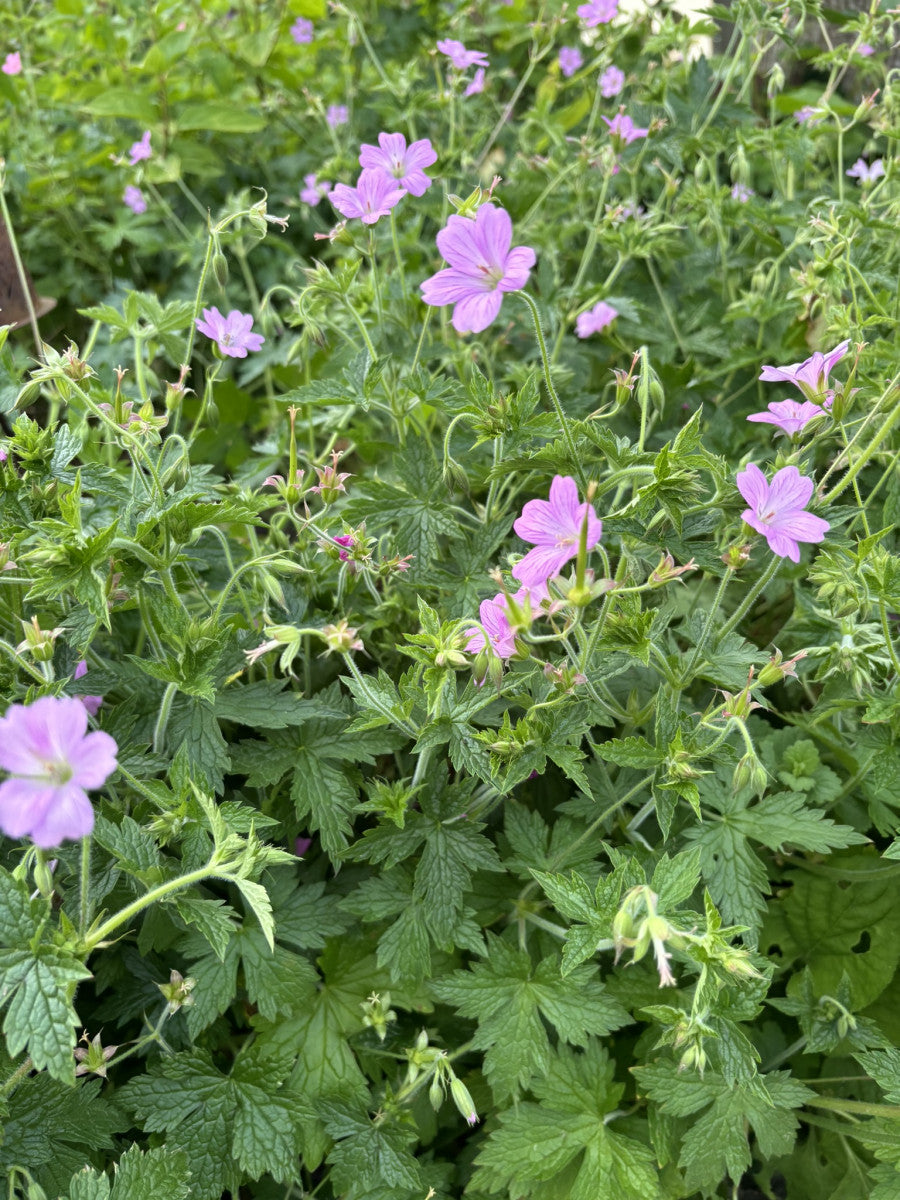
[(158, 893), (198, 298), (17, 1076), (711, 616), (162, 720), (884, 429), (587, 255), (749, 600), (84, 915), (554, 397)]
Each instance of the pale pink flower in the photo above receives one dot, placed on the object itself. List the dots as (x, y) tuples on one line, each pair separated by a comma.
[(133, 198), (482, 267), (865, 50), (570, 60), (789, 415), (302, 31), (373, 197), (313, 191), (141, 150), (811, 375), (400, 162), (866, 172), (12, 64), (501, 637), (337, 114), (778, 509), (51, 759), (741, 193), (623, 131), (596, 320), (461, 58), (598, 12), (476, 85), (554, 527), (611, 82), (232, 334)]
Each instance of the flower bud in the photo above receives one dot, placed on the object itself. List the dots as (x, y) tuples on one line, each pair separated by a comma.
[(220, 268), (178, 991), (463, 1100), (749, 773), (436, 1092)]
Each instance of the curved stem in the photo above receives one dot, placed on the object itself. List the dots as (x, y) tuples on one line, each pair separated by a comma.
[(750, 599), (554, 396)]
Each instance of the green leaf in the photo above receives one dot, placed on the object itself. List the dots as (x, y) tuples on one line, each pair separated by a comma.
[(151, 1174), (629, 752), (52, 1128), (258, 899), (37, 983), (506, 995), (375, 1155), (215, 919), (536, 1143), (884, 1067)]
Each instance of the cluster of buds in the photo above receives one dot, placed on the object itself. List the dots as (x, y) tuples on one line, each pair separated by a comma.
[(685, 1032), (637, 926), (93, 1056), (38, 642), (351, 548), (424, 1058), (470, 206), (177, 992), (565, 678)]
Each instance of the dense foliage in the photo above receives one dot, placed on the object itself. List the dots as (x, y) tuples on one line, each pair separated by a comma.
[(452, 732)]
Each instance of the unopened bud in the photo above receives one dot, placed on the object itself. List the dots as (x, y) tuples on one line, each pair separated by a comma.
[(463, 1100), (220, 268), (749, 773)]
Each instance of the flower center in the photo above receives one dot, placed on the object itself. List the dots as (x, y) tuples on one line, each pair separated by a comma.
[(563, 543), (492, 275), (397, 165), (227, 339), (58, 773)]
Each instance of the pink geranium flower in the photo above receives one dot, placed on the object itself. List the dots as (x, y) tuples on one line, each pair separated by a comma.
[(865, 172), (373, 197), (611, 82), (12, 64), (502, 638), (482, 267), (596, 320), (598, 12), (461, 58), (476, 86), (741, 193), (623, 130), (302, 31), (807, 115), (554, 527), (141, 150), (777, 509), (337, 114), (811, 375), (570, 60), (400, 162), (789, 415), (51, 759), (232, 334), (133, 198), (313, 191)]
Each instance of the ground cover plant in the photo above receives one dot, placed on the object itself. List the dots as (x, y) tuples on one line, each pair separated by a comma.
[(450, 585)]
